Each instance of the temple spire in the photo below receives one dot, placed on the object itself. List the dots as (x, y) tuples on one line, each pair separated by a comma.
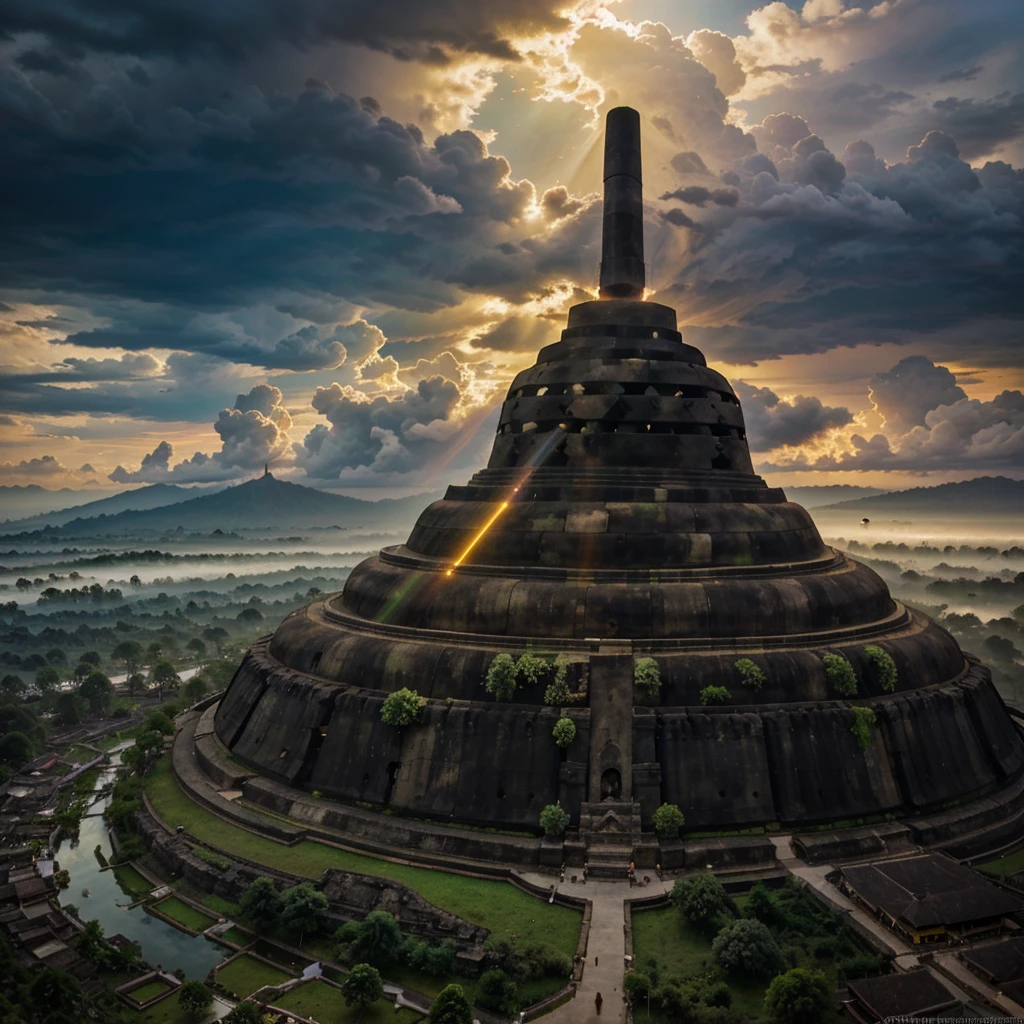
[(622, 247)]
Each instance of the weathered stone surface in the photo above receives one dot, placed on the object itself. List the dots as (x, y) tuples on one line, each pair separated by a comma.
[(627, 521)]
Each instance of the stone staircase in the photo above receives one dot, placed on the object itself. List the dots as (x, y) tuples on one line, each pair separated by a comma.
[(611, 830)]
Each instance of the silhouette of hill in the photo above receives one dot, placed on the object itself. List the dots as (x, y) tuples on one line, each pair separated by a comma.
[(260, 504), (828, 494), (152, 496), (18, 500), (985, 496)]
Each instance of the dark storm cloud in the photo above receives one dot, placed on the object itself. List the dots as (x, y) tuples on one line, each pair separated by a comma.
[(228, 29), (981, 126), (774, 423), (697, 195), (962, 74), (814, 256)]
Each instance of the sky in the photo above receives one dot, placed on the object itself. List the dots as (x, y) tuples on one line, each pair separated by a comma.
[(325, 235)]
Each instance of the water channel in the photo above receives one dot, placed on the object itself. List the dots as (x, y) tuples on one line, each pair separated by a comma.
[(162, 945)]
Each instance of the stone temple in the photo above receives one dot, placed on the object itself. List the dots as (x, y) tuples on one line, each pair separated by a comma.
[(625, 522)]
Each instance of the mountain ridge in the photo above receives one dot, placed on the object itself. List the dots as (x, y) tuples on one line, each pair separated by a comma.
[(261, 503), (983, 495)]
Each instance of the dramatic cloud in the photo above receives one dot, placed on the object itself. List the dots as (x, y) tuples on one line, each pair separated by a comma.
[(775, 423), (907, 393), (253, 433)]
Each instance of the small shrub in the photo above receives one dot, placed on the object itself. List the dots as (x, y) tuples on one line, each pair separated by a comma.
[(501, 678), (840, 675), (647, 677), (497, 991), (529, 668), (636, 985), (761, 904), (554, 820), (863, 723), (557, 692), (564, 732), (668, 820), (884, 666), (719, 994), (753, 675), (402, 707), (715, 695)]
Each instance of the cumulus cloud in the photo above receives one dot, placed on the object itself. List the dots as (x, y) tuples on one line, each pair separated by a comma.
[(254, 432), (776, 423), (43, 466), (906, 394)]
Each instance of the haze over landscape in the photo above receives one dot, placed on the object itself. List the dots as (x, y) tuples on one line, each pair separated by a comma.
[(333, 662)]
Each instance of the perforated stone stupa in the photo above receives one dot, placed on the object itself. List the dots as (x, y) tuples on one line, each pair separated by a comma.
[(633, 527)]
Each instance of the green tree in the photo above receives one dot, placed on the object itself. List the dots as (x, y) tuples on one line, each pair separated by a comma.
[(195, 1000), (165, 674), (700, 898), (92, 658), (129, 654), (746, 947), (250, 615), (194, 689), (303, 908), (564, 732), (884, 667), (56, 656), (71, 708), (197, 648), (715, 695), (800, 996), (451, 1007), (637, 986), (12, 686), (761, 904), (668, 820), (751, 673), (378, 939), (647, 677), (157, 721), (362, 987), (840, 675), (554, 820), (244, 1013), (402, 707), (501, 678), (16, 749), (261, 903), (215, 635), (557, 692), (58, 991), (98, 691), (497, 991), (47, 678)]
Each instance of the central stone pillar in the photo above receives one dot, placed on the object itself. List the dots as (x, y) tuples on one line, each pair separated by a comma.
[(611, 729)]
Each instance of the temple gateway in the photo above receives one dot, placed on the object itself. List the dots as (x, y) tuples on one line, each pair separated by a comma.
[(618, 564)]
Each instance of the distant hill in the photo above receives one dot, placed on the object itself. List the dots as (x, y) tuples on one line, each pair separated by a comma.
[(31, 499), (985, 496), (261, 504), (829, 494), (153, 496)]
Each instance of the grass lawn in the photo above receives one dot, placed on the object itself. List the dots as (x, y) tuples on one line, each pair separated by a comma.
[(324, 1002), (150, 990), (1004, 866), (237, 936), (220, 906), (245, 974), (112, 739), (498, 906), (184, 914), (132, 883), (168, 1011), (80, 754)]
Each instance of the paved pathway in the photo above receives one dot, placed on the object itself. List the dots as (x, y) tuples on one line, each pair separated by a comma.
[(606, 948)]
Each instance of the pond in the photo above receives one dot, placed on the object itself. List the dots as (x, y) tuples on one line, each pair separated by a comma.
[(162, 944)]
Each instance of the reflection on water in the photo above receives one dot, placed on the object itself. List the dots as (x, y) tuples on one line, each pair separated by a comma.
[(162, 945)]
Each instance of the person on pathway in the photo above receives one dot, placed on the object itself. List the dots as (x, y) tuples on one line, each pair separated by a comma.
[(597, 1003)]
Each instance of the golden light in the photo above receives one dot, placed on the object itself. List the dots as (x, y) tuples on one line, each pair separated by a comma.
[(478, 536)]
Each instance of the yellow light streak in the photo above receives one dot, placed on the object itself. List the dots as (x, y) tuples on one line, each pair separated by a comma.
[(479, 535)]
